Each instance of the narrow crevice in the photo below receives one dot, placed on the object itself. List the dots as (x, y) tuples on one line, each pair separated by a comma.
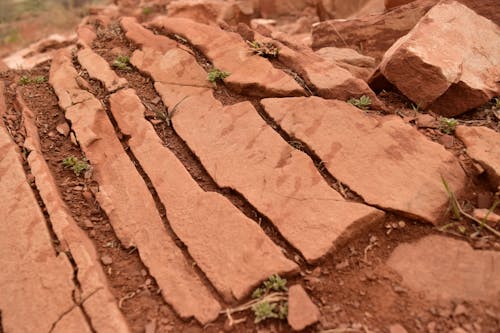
[(1, 323), (159, 204), (145, 90), (126, 274)]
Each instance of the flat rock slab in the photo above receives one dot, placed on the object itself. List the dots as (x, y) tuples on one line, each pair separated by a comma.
[(231, 249), (483, 145), (127, 201), (100, 305), (302, 312), (36, 285), (449, 62), (446, 269), (384, 160), (328, 79), (99, 69), (143, 37), (250, 74)]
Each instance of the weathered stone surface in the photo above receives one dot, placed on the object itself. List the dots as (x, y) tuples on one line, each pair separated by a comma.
[(486, 8), (302, 312), (277, 8), (445, 268), (327, 78), (278, 180), (35, 283), (212, 11), (374, 34), (231, 249), (397, 328), (384, 160), (250, 74), (484, 213), (346, 55), (85, 33), (100, 305), (144, 37), (135, 222), (449, 62), (341, 9), (99, 69), (483, 145)]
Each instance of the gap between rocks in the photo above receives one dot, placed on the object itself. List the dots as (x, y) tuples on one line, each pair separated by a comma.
[(143, 85)]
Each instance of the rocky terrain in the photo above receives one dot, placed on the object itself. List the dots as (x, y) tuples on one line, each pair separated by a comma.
[(254, 166)]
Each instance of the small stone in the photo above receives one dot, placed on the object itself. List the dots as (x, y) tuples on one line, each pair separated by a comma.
[(88, 224), (426, 121), (87, 195), (484, 213), (150, 327), (447, 140), (458, 330), (397, 328), (72, 137), (302, 312), (143, 272), (401, 224), (106, 260), (460, 309), (341, 265), (431, 327), (63, 128)]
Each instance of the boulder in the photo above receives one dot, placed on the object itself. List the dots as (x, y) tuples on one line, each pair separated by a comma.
[(448, 63)]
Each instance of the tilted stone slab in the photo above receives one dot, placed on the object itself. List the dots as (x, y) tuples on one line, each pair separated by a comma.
[(250, 74), (232, 250), (329, 79), (239, 150), (99, 303), (143, 37), (36, 285), (99, 69), (126, 200), (449, 62), (483, 145), (387, 162)]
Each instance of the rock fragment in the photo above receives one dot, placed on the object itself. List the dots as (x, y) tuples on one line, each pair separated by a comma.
[(302, 312)]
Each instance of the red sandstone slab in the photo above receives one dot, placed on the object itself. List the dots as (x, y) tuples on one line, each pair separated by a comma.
[(36, 285), (99, 69), (384, 160), (483, 145), (445, 269), (144, 37), (99, 304), (231, 249), (250, 73), (125, 198)]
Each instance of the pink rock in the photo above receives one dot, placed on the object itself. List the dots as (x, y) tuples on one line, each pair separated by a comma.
[(483, 145), (444, 268), (384, 160), (397, 328), (277, 8), (483, 213), (99, 69), (302, 312), (438, 66), (143, 37)]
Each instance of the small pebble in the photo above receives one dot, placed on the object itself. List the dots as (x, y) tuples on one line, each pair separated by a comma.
[(106, 260)]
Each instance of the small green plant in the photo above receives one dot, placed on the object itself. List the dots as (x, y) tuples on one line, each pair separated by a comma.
[(497, 103), (122, 62), (264, 310), (363, 103), (447, 125), (27, 80), (266, 50), (78, 166), (216, 74), (166, 116), (147, 10)]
